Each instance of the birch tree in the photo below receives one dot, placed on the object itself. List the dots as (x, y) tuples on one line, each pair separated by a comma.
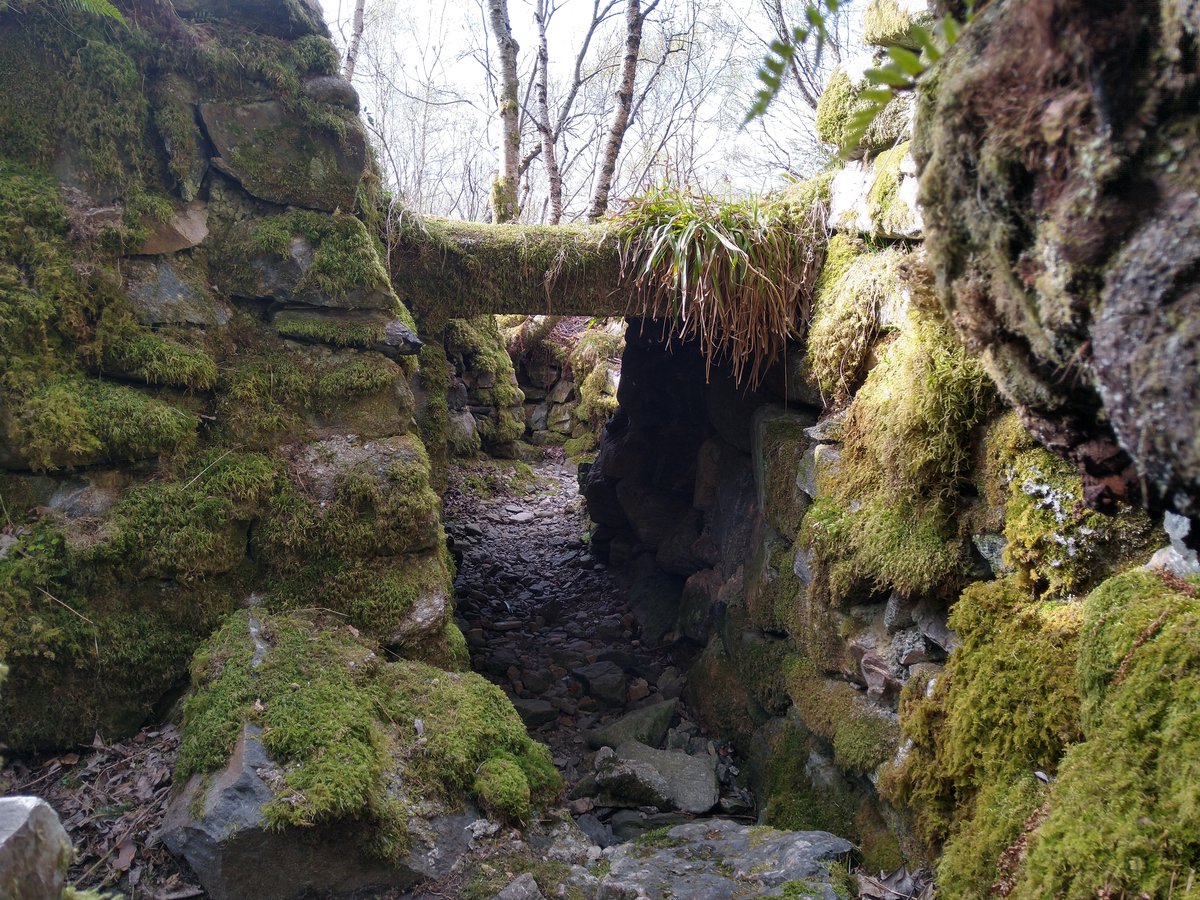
[(635, 18), (505, 187)]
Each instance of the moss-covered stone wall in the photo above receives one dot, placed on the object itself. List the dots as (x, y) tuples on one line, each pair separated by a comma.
[(1063, 230), (207, 398)]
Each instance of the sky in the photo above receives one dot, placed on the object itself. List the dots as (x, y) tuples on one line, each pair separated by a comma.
[(439, 41)]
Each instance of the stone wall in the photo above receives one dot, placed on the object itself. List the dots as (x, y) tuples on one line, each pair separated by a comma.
[(905, 610), (213, 460)]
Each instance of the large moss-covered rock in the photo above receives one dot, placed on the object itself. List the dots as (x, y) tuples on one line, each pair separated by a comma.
[(287, 19), (1065, 233), (276, 155), (330, 751)]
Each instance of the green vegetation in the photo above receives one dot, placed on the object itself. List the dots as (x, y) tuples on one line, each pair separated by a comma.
[(340, 718), (732, 274), (485, 356), (590, 362), (862, 736), (341, 331), (503, 790), (885, 24), (849, 298), (888, 212), (345, 265), (71, 421), (493, 875), (376, 509), (1058, 546), (1106, 696), (885, 521)]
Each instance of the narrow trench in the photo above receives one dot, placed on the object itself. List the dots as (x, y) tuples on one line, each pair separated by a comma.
[(555, 629)]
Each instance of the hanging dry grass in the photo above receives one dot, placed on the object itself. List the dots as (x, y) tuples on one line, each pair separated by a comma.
[(735, 275)]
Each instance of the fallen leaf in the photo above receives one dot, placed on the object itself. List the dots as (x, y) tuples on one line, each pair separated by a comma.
[(125, 851)]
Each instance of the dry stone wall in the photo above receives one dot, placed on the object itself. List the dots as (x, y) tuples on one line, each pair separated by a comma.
[(903, 606)]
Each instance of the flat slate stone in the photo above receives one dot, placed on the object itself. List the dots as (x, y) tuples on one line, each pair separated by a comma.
[(604, 681), (647, 725), (718, 859), (691, 780)]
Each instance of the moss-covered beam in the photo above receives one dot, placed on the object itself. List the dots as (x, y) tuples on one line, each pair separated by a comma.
[(455, 270)]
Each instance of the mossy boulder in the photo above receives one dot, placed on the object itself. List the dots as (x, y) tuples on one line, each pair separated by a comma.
[(890, 23), (278, 156), (1080, 297), (839, 102), (103, 614), (375, 751), (289, 19), (306, 258)]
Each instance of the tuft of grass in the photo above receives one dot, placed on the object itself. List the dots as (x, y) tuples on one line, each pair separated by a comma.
[(736, 275)]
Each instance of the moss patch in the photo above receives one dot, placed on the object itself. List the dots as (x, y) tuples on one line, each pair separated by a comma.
[(1057, 545), (884, 520), (341, 719), (849, 297), (1007, 705), (862, 736)]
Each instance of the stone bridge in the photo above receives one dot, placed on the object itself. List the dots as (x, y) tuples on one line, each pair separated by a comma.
[(446, 269)]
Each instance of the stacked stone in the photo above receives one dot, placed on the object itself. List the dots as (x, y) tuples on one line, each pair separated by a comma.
[(211, 399)]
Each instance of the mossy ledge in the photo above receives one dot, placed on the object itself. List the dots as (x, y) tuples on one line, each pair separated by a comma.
[(446, 269)]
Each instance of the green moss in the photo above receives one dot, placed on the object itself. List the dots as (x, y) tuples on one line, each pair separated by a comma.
[(969, 864), (70, 421), (847, 304), (190, 527), (457, 270), (434, 410), (838, 103), (371, 513), (578, 448), (345, 260), (720, 699), (885, 517), (861, 736), (503, 791), (888, 212), (1058, 546), (589, 362), (1122, 814), (260, 397), (490, 877), (486, 478), (103, 117), (91, 650), (1007, 705), (885, 24), (339, 717), (154, 359), (379, 597), (339, 332)]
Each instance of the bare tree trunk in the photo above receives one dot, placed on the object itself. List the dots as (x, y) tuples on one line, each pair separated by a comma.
[(504, 189), (635, 16), (549, 158), (352, 48)]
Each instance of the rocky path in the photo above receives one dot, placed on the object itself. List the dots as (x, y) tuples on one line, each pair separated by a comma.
[(551, 626)]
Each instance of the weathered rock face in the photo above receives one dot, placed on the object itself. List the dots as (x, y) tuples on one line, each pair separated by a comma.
[(1064, 229), (719, 858), (279, 158), (208, 389), (34, 850)]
